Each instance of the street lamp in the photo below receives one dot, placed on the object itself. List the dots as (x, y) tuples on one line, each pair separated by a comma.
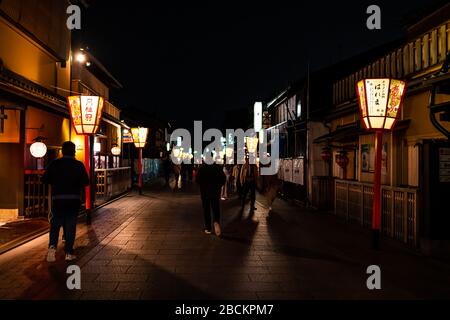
[(86, 114), (379, 101), (140, 140)]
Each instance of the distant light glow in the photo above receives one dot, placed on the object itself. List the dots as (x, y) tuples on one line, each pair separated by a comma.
[(80, 57), (115, 151), (97, 147), (257, 112)]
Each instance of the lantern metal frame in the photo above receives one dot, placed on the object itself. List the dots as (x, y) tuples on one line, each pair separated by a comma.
[(81, 120), (140, 145), (366, 118), (76, 107), (364, 104)]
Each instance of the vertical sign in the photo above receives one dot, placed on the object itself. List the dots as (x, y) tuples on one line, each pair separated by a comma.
[(377, 91), (257, 112), (287, 166), (298, 171)]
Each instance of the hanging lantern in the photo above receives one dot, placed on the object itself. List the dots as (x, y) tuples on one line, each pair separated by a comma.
[(252, 144), (38, 149), (326, 154), (86, 113), (116, 151), (342, 159), (380, 101), (139, 136)]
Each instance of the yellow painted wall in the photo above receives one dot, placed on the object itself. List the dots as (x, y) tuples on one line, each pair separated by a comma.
[(42, 123), (416, 108), (11, 132), (22, 56)]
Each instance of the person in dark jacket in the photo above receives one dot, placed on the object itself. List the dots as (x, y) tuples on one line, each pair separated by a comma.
[(211, 179), (67, 177)]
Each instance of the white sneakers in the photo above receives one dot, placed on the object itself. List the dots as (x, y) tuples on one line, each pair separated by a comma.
[(70, 257), (51, 254), (217, 229)]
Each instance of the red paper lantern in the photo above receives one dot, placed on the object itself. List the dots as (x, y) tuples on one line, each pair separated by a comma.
[(326, 154), (342, 160)]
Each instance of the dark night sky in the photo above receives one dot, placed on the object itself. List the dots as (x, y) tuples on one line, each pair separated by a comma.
[(190, 61)]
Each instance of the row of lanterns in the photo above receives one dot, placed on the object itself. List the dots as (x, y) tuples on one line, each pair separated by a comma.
[(341, 158)]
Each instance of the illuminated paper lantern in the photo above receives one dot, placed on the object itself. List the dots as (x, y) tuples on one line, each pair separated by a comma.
[(229, 152), (86, 113), (252, 144), (38, 149), (380, 101), (139, 136), (115, 151)]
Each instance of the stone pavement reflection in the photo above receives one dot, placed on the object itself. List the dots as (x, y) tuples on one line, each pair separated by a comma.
[(152, 247)]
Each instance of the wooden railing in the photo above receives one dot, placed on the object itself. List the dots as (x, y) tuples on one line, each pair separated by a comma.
[(353, 201), (112, 182), (323, 192), (36, 202)]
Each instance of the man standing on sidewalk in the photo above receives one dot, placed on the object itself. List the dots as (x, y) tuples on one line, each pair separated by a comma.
[(67, 177), (248, 176), (211, 178)]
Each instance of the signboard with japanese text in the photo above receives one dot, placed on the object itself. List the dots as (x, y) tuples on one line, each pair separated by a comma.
[(127, 137)]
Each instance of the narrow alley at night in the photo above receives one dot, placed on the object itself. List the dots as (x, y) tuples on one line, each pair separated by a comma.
[(229, 159)]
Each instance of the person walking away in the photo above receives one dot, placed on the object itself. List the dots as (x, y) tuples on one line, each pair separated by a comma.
[(248, 176), (166, 166), (272, 186), (237, 179), (176, 170), (211, 178), (224, 194), (67, 177)]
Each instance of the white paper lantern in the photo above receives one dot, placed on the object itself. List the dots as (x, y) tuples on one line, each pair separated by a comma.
[(38, 149)]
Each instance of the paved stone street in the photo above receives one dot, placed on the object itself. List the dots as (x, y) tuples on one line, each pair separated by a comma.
[(152, 247)]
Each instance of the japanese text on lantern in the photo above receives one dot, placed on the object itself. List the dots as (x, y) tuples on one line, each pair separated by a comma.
[(377, 96), (396, 93)]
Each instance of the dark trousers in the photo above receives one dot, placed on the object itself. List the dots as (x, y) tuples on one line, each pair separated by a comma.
[(209, 203), (65, 214), (249, 186), (239, 188)]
